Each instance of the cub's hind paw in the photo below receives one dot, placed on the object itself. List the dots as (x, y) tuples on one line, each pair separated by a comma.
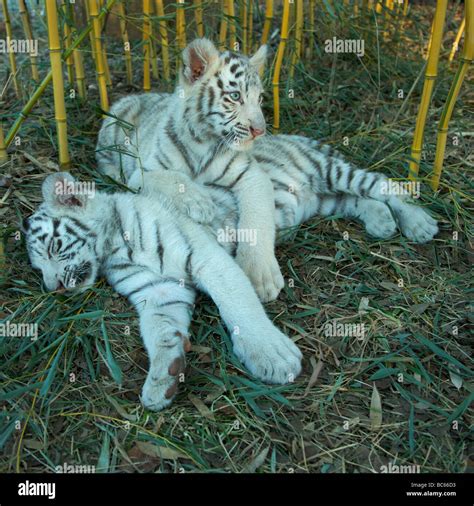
[(166, 372), (416, 224)]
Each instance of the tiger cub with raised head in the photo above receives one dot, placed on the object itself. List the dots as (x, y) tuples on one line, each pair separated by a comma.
[(209, 132), (201, 134), (156, 257)]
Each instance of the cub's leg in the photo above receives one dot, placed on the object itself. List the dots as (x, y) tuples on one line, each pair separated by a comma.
[(261, 347), (254, 192), (376, 216), (414, 222), (324, 171), (164, 306)]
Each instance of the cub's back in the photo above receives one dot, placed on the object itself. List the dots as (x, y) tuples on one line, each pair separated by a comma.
[(129, 129)]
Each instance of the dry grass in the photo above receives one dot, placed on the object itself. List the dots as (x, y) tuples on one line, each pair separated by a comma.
[(417, 349)]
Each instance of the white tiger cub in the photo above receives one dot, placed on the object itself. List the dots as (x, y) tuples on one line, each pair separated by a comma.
[(202, 132), (156, 257), (209, 134)]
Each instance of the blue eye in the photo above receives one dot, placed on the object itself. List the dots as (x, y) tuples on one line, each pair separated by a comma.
[(235, 95)]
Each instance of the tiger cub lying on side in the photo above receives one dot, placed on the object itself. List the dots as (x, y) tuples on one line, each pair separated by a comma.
[(156, 257), (209, 132)]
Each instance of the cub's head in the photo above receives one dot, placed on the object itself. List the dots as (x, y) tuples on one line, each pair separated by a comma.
[(59, 240), (224, 93)]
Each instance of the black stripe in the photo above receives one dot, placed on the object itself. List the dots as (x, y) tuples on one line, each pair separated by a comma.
[(127, 276), (140, 230), (159, 249), (238, 177), (178, 144), (372, 184), (227, 167)]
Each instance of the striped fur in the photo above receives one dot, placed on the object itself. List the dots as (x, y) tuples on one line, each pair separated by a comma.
[(157, 258), (201, 136)]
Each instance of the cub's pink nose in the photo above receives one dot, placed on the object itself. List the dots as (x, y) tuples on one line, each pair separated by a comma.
[(256, 132)]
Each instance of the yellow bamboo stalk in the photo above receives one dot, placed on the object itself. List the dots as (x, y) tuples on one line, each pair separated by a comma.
[(279, 60), (126, 40), (104, 48), (457, 39), (146, 45), (405, 7), (91, 33), (312, 26), (11, 54), (58, 85), (198, 17), (223, 27), (25, 19), (48, 78), (298, 37), (232, 25), (378, 7), (3, 147), (268, 20), (430, 76), (78, 60), (97, 50), (164, 39), (154, 62), (67, 43), (180, 25), (466, 59), (244, 21), (250, 28)]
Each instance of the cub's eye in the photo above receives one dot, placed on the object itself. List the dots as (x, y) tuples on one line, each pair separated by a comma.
[(235, 95)]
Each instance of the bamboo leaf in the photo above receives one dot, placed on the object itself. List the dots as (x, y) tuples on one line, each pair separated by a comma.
[(112, 365), (104, 457)]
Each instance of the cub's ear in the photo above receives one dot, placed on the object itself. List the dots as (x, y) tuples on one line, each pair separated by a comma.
[(198, 57), (259, 58), (60, 191)]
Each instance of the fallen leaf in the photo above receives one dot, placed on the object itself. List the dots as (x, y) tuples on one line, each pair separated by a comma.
[(34, 444), (317, 367), (257, 461), (363, 304), (163, 452), (456, 380), (375, 410), (201, 407)]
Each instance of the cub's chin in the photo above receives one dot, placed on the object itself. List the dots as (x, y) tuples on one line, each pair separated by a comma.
[(243, 144)]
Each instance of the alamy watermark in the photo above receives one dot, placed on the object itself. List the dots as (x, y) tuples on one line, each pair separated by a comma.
[(65, 187), (392, 468), (338, 329), (335, 45), (401, 188), (246, 235), (74, 468), (10, 329), (20, 46)]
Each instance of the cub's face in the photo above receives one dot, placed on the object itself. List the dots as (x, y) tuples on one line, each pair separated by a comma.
[(226, 93), (60, 243)]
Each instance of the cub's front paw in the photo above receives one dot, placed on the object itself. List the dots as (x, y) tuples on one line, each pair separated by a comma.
[(166, 371), (197, 205), (263, 272), (272, 357)]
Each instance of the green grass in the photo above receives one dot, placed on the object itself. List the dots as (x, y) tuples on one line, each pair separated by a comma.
[(75, 390)]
